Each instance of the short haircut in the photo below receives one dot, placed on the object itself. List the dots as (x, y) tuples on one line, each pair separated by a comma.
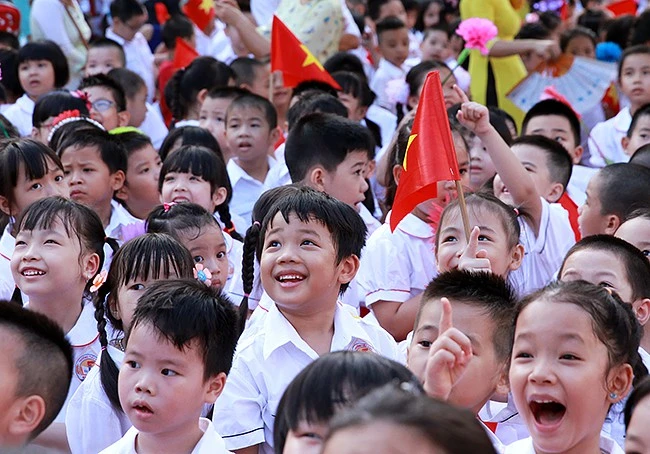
[(50, 51), (558, 159), (44, 367), (312, 85), (245, 70), (439, 27), (107, 43), (323, 139), (575, 32), (636, 265), (112, 153), (489, 293), (129, 81), (387, 24), (126, 9), (641, 157), (623, 188), (374, 8), (643, 111), (334, 380), (102, 80), (533, 30), (450, 429), (55, 102), (639, 49), (315, 101), (132, 141), (344, 224), (182, 311), (640, 392), (252, 101), (178, 26), (9, 64), (227, 92), (345, 61), (554, 107), (354, 85), (189, 135), (639, 30), (9, 39)]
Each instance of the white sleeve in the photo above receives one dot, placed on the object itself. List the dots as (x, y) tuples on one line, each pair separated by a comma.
[(50, 17), (597, 145), (350, 27)]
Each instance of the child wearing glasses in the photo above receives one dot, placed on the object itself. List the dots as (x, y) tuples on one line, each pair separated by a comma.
[(107, 101)]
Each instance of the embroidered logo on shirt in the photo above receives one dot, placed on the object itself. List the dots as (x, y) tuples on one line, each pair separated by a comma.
[(358, 345), (83, 365)]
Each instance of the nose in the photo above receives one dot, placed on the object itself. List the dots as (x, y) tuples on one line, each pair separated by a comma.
[(542, 372), (31, 252), (74, 177), (364, 185), (144, 385)]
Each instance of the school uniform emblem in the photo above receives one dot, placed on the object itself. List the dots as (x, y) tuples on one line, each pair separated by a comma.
[(358, 345), (83, 365)]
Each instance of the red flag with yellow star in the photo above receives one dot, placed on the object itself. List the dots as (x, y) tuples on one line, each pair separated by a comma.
[(293, 59), (201, 12), (430, 154)]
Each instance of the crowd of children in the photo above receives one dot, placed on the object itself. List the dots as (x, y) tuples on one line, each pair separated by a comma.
[(197, 258)]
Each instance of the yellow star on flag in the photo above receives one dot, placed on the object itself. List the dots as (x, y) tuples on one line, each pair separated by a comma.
[(206, 5), (310, 59), (408, 145)]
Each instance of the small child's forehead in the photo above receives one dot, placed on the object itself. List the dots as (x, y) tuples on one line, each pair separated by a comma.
[(246, 112), (104, 52), (99, 92)]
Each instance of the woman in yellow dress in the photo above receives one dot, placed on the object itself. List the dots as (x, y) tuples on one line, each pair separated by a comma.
[(494, 75)]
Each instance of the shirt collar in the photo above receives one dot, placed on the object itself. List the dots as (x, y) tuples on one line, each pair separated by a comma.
[(115, 37), (414, 226), (7, 243), (236, 173), (84, 331), (622, 120), (119, 217)]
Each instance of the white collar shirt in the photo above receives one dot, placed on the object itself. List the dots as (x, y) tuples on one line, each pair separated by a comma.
[(139, 58), (246, 189)]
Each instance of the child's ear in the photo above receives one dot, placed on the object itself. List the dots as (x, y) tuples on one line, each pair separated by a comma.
[(5, 206), (316, 178), (117, 180), (214, 386), (219, 196), (203, 93), (577, 154), (613, 223), (517, 257), (36, 133), (619, 382), (503, 384), (348, 269), (90, 266), (625, 141), (123, 194), (274, 136), (26, 416), (362, 111), (642, 310), (123, 118), (397, 173), (555, 192)]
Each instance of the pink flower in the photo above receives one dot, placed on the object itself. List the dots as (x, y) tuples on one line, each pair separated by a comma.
[(99, 281), (477, 32), (203, 274)]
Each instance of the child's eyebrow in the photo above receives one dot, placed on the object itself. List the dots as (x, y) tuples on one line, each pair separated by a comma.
[(427, 327), (309, 232), (528, 163)]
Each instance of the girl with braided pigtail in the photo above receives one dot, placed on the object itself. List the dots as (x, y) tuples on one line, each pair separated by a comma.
[(139, 263)]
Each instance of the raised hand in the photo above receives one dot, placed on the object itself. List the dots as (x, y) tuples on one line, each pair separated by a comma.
[(448, 358), (472, 258), (473, 115)]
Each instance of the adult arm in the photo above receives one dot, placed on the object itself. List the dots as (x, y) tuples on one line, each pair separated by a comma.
[(228, 11)]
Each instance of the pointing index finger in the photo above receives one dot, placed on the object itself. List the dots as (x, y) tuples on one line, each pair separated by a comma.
[(461, 94), (446, 321)]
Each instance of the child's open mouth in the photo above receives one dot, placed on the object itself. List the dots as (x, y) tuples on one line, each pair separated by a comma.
[(290, 279), (547, 412)]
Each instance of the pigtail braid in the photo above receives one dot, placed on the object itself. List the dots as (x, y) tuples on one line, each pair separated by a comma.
[(224, 215), (108, 370), (173, 95), (248, 268)]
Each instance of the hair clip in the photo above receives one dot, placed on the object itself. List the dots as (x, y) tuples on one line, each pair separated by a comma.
[(247, 295), (203, 274), (516, 210), (168, 206), (257, 223), (99, 281), (70, 116), (229, 229), (84, 97)]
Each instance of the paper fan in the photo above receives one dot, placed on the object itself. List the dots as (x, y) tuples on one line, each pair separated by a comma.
[(582, 81)]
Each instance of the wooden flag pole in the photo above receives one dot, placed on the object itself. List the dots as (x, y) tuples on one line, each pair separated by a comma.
[(463, 209), (271, 86)]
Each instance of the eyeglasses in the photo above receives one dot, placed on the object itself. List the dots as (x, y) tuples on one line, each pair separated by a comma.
[(102, 105)]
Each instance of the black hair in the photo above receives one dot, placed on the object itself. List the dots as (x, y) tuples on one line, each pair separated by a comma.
[(614, 322), (45, 362), (152, 255), (623, 188), (345, 61), (107, 43), (253, 101), (641, 157), (10, 81), (9, 39), (355, 86), (639, 49), (446, 428), (54, 103), (436, 28), (549, 107), (636, 265), (7, 129), (104, 81), (61, 132), (132, 141), (326, 140), (643, 111), (46, 50), (374, 8), (226, 92), (316, 102), (575, 32), (331, 382), (185, 310), (344, 224), (312, 85), (35, 157), (126, 9), (639, 33), (130, 81), (415, 78), (490, 295), (640, 392), (388, 24), (177, 26), (252, 238), (112, 152), (533, 30), (189, 135), (619, 30), (183, 88), (424, 6), (245, 70), (558, 159), (593, 19)]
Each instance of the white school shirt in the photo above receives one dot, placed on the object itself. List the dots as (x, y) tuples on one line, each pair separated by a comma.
[(210, 442), (496, 443), (525, 446), (120, 217), (510, 425), (397, 266), (20, 115), (139, 58), (577, 187), (85, 348), (543, 255), (7, 246), (246, 189), (605, 139), (386, 72), (372, 224), (90, 405), (234, 286), (153, 126), (645, 357), (267, 359)]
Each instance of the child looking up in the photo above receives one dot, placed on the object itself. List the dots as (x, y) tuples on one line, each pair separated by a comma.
[(309, 254), (29, 171), (104, 54), (178, 352), (251, 133), (136, 266), (41, 68), (251, 75), (36, 370), (564, 377), (638, 133), (605, 140), (212, 115), (107, 100), (636, 230)]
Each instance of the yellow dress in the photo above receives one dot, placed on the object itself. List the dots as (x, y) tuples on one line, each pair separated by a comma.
[(508, 71)]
